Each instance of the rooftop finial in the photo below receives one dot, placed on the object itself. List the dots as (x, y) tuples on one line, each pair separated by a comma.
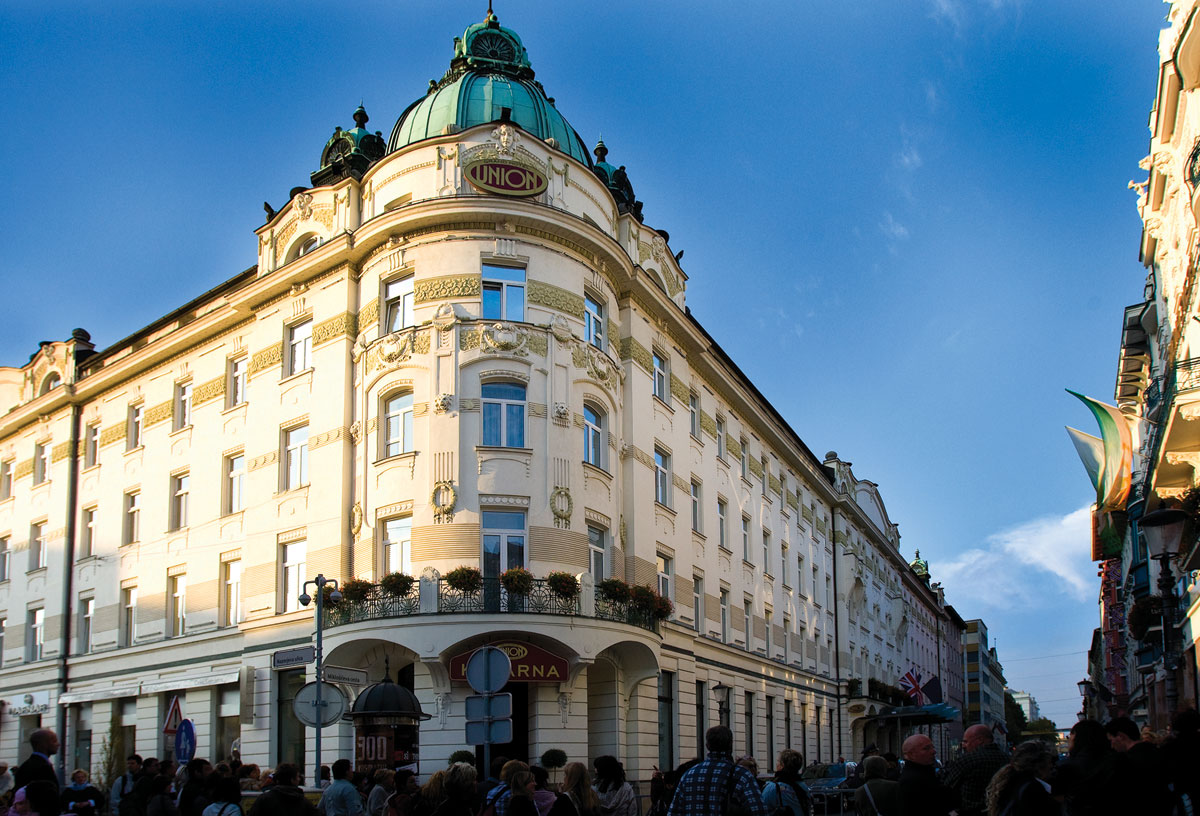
[(387, 668), (601, 150), (360, 115)]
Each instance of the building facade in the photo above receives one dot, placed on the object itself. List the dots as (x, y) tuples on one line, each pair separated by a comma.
[(1028, 704), (985, 678), (462, 347)]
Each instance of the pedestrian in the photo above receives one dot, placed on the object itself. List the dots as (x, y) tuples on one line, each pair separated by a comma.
[(192, 800), (615, 793), (488, 784), (715, 784), (398, 804), (1181, 758), (920, 790), (543, 797), (160, 802), (123, 785), (81, 797), (785, 793), (6, 779), (1138, 763), (429, 796), (20, 804), (576, 797), (226, 798), (44, 743), (458, 788), (134, 802), (284, 797), (250, 777), (877, 795), (341, 798), (520, 803), (1087, 778), (385, 785), (1022, 787), (969, 775), (750, 764), (496, 802)]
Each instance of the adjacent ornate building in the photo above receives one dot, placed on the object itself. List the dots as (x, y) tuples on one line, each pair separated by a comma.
[(460, 347)]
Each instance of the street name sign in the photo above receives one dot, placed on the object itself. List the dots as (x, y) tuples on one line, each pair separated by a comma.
[(340, 674), (287, 658)]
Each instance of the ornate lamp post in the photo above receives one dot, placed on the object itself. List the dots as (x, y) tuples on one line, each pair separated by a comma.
[(1164, 532), (1085, 691), (722, 691), (320, 582)]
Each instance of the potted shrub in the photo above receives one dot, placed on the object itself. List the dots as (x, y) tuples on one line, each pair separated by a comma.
[(563, 584), (662, 607), (464, 579), (642, 598), (613, 589), (398, 584), (554, 759), (463, 755), (517, 581), (356, 590)]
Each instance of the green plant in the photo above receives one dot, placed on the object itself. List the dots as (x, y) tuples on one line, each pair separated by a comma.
[(399, 584), (554, 758), (517, 581), (460, 756), (642, 598), (613, 589), (356, 590), (464, 579), (563, 584), (662, 607)]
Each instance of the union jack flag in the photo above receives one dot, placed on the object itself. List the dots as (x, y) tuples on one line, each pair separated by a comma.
[(910, 683)]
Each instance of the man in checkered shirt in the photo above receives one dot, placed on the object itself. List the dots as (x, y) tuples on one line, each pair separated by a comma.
[(707, 789)]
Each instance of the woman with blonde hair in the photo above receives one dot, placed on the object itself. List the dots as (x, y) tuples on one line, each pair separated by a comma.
[(576, 797), (1020, 788), (522, 786)]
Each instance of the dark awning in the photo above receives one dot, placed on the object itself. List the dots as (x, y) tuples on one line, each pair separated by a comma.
[(919, 715)]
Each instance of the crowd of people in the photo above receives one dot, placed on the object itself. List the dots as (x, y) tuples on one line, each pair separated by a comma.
[(1110, 768)]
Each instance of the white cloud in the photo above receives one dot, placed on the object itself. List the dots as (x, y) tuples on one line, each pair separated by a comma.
[(1027, 565), (892, 228)]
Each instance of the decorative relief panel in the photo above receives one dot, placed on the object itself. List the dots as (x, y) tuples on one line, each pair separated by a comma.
[(158, 413), (325, 438), (807, 513), (468, 339), (793, 501), (538, 344), (680, 389), (60, 451), (467, 405), (631, 349), (553, 297), (111, 434), (369, 314), (23, 469), (421, 343), (395, 509), (733, 446), (708, 425), (537, 409), (756, 467), (208, 391), (614, 330), (344, 325), (266, 358), (447, 288), (681, 483), (259, 462), (498, 499), (774, 485)]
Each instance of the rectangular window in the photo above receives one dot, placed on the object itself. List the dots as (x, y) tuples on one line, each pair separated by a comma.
[(128, 628), (723, 523), (503, 541), (666, 719), (701, 716), (661, 377), (295, 457), (593, 436), (87, 612), (133, 427), (503, 293), (696, 506), (91, 444), (235, 483), (694, 414), (745, 538), (814, 591), (87, 537), (662, 477), (37, 545), (237, 385), (769, 705), (765, 475), (745, 460), (35, 639), (182, 405), (748, 714), (179, 500), (766, 552), (291, 574), (397, 424), (787, 641), (663, 563), (177, 588), (41, 462), (596, 552), (5, 559), (399, 305), (3, 627), (787, 723), (593, 321), (768, 614), (698, 602), (724, 615), (783, 564), (231, 596), (6, 476), (720, 437), (828, 593), (748, 617), (299, 347), (503, 406), (397, 545), (131, 531)]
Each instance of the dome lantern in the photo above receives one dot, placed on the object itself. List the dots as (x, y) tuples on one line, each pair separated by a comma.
[(350, 153)]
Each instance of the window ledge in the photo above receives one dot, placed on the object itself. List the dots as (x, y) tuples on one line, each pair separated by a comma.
[(699, 535), (696, 438), (293, 491), (7, 499), (233, 514), (747, 482), (663, 403), (180, 431), (90, 467), (137, 449), (406, 456), (596, 470), (501, 449), (241, 406), (42, 483), (299, 375), (747, 562), (35, 572), (724, 548), (87, 559), (663, 507)]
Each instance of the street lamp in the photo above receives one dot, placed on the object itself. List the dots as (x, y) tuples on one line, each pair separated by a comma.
[(1085, 691), (320, 582), (1164, 532), (722, 691)]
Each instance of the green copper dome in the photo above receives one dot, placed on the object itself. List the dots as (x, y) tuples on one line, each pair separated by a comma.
[(490, 73)]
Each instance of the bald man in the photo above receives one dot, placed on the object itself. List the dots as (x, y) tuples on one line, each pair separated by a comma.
[(44, 743), (969, 775), (920, 790)]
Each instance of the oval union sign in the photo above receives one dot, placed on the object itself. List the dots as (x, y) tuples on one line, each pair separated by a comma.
[(505, 178)]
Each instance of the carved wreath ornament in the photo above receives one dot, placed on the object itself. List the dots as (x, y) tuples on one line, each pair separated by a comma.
[(561, 505), (443, 498)]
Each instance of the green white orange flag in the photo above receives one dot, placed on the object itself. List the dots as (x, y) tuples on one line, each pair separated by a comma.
[(1109, 458)]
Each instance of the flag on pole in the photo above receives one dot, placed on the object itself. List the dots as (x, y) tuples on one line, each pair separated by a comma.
[(933, 690), (1109, 457), (910, 684)]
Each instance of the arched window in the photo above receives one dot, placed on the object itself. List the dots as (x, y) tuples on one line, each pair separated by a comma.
[(504, 414), (397, 424), (50, 383), (593, 435), (308, 246)]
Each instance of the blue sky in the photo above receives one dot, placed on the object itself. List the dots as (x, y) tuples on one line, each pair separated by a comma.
[(907, 222)]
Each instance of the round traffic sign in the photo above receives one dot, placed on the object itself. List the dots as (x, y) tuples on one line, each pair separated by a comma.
[(185, 741), (333, 704), (488, 670)]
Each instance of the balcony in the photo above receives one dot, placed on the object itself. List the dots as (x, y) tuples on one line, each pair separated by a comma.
[(435, 596)]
